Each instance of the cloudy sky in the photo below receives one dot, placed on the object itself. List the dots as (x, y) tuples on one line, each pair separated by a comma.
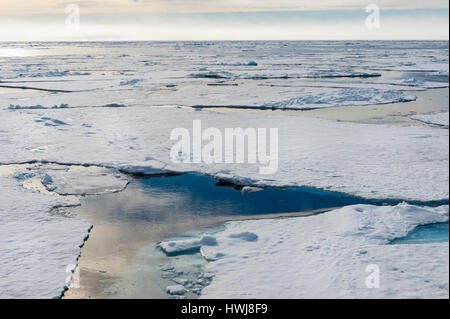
[(222, 19)]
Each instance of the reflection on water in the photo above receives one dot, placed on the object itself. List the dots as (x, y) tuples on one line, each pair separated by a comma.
[(120, 259), (15, 52), (165, 199), (432, 233), (34, 50)]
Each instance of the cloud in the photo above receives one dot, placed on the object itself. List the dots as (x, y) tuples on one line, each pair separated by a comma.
[(20, 7), (286, 25), (221, 19)]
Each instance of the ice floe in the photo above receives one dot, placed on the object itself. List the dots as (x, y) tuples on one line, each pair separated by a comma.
[(417, 83), (250, 189), (280, 97), (175, 290), (343, 97), (374, 161), (83, 181), (438, 118), (38, 250), (180, 246), (257, 75), (331, 255)]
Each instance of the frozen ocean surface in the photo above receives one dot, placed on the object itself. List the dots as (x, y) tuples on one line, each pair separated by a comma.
[(221, 73), (38, 251), (372, 161), (330, 256), (112, 105), (439, 118)]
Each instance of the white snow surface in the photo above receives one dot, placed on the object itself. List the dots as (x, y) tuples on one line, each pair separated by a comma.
[(38, 250), (76, 181), (437, 118), (374, 161), (249, 189), (327, 255), (179, 246), (201, 94)]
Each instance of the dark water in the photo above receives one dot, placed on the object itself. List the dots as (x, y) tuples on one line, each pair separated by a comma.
[(192, 195), (432, 233)]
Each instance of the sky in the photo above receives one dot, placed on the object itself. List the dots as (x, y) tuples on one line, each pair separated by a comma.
[(93, 20)]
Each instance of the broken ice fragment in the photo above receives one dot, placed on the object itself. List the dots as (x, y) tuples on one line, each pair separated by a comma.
[(175, 290), (250, 189), (187, 246)]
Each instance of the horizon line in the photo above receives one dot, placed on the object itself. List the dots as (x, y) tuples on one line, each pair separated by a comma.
[(229, 40)]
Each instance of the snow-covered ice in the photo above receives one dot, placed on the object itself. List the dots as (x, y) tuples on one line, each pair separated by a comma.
[(343, 97), (221, 95), (38, 250), (437, 118), (374, 161), (83, 181), (175, 290), (179, 246), (330, 256), (249, 189), (161, 75), (284, 74), (414, 83)]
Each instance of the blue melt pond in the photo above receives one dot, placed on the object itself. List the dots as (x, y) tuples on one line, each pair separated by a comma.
[(207, 195), (191, 196), (432, 233)]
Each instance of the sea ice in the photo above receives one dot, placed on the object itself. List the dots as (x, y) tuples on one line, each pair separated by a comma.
[(175, 290), (438, 118), (374, 161), (83, 181), (141, 78), (331, 255), (247, 236), (38, 250), (37, 124), (343, 97), (181, 281), (250, 189), (179, 246)]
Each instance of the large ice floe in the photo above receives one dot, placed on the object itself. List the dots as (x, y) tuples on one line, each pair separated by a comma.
[(39, 251), (234, 94), (345, 253), (437, 118), (373, 161), (272, 97)]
